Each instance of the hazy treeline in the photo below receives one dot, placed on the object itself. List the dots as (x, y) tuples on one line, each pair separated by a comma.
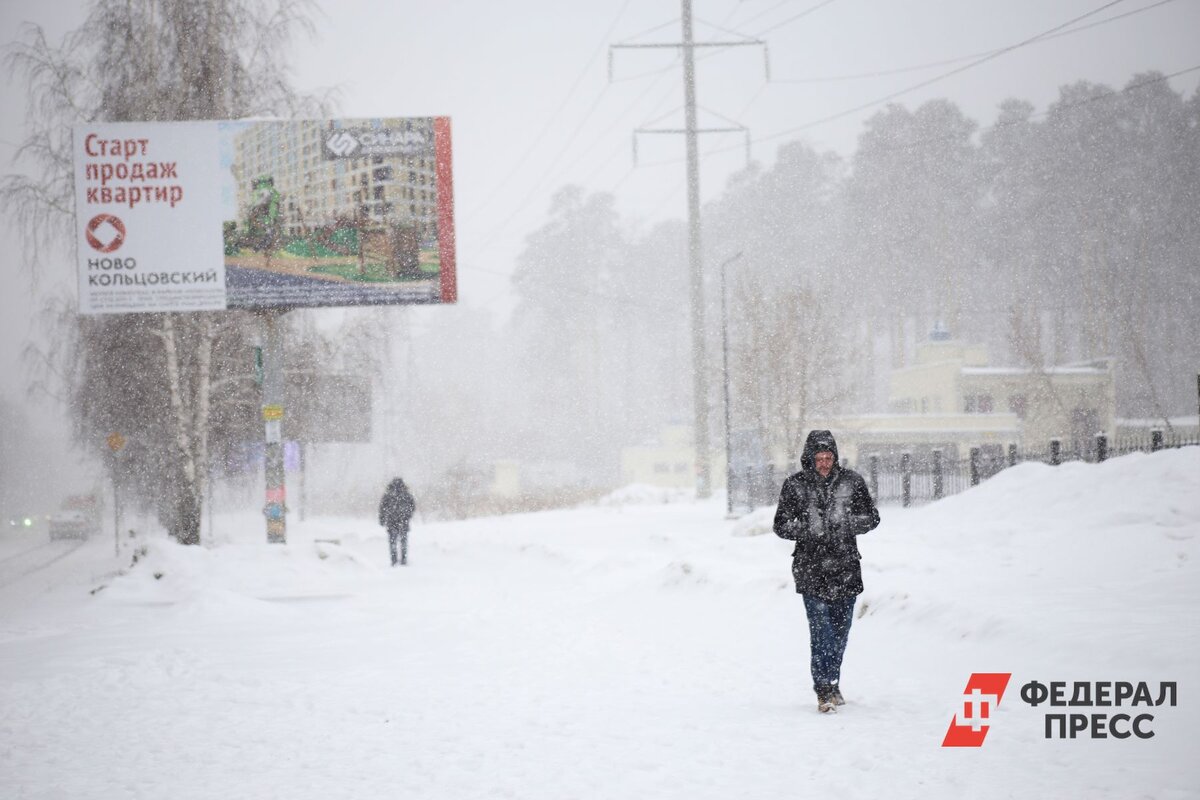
[(1052, 237)]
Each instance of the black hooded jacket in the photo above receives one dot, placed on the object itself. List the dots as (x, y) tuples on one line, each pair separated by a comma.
[(397, 506), (823, 516)]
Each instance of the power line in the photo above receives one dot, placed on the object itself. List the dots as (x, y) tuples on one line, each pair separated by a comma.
[(763, 13), (591, 175), (1061, 107), (659, 27), (523, 204), (519, 207), (603, 164), (799, 16), (922, 84), (914, 87), (554, 117), (937, 78), (959, 59), (716, 51), (495, 232), (671, 194), (650, 72), (1130, 88), (723, 29), (620, 119), (491, 236), (1069, 32), (753, 99)]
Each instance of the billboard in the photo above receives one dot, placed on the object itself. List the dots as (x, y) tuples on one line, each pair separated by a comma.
[(264, 214)]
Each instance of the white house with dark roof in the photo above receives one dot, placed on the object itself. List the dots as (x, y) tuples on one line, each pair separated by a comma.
[(951, 398)]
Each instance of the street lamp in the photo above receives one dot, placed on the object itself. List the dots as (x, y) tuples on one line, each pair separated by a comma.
[(725, 384)]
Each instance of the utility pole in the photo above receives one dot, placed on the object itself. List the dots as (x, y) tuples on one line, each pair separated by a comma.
[(695, 262), (695, 244)]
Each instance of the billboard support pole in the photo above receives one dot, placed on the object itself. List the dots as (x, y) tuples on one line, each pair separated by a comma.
[(275, 508), (116, 509), (115, 442), (302, 466)]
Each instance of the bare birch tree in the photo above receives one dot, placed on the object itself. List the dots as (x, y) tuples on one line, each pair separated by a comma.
[(792, 363), (144, 60)]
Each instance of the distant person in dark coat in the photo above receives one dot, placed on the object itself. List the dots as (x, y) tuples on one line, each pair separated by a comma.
[(823, 508), (395, 512)]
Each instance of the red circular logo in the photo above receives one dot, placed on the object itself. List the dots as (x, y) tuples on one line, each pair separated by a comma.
[(105, 233)]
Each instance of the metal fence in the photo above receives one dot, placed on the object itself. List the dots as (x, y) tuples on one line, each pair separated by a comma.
[(1102, 448), (912, 479)]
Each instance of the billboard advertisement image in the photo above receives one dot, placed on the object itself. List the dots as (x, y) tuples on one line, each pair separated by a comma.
[(264, 214)]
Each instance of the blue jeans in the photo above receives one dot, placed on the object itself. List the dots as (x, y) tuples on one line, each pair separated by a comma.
[(402, 535), (828, 630)]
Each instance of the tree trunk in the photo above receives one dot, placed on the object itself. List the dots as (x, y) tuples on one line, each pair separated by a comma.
[(203, 405), (184, 514)]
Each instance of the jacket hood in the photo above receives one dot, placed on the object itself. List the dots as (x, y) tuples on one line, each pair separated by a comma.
[(816, 442)]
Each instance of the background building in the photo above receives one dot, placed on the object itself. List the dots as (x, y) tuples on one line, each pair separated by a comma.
[(318, 188), (952, 399)]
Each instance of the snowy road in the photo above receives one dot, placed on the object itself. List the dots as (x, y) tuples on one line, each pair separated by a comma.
[(23, 564), (639, 650)]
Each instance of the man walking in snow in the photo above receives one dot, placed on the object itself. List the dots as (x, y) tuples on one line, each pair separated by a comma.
[(395, 512), (823, 508)]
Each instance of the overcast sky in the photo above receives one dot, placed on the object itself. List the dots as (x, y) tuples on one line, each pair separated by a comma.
[(526, 84)]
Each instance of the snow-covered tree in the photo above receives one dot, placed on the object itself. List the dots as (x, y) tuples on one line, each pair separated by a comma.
[(160, 379)]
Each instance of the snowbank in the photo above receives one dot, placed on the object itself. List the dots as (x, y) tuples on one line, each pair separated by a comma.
[(635, 648), (645, 494)]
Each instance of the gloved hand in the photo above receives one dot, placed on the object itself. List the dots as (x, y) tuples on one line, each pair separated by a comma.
[(796, 529), (857, 524), (799, 530)]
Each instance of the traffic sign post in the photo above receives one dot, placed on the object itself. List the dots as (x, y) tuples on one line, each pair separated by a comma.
[(116, 442), (275, 508)]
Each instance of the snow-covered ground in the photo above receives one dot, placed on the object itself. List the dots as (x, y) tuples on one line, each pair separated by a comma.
[(634, 649)]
